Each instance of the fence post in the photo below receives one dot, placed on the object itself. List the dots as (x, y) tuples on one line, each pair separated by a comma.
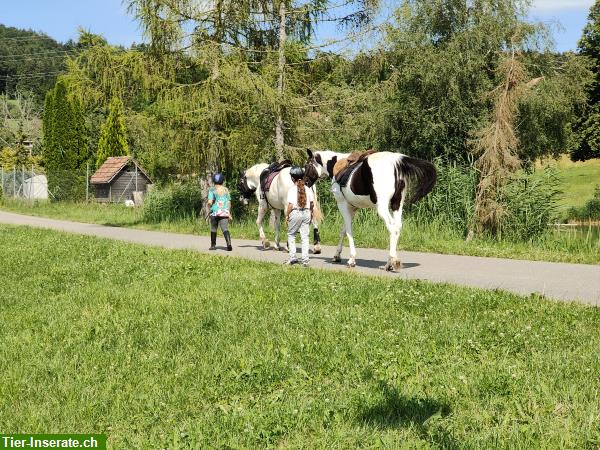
[(136, 177), (14, 181), (87, 182), (22, 181)]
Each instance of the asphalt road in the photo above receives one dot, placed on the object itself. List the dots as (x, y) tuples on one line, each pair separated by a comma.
[(559, 281)]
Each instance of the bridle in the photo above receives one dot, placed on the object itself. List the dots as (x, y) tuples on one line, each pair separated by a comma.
[(245, 190)]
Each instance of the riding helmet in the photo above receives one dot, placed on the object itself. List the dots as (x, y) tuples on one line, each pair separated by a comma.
[(218, 178), (296, 173)]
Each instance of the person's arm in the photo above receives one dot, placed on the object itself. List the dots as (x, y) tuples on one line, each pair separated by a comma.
[(229, 206), (211, 197)]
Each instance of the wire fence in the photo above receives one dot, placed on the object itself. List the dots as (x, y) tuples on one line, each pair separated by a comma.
[(34, 183)]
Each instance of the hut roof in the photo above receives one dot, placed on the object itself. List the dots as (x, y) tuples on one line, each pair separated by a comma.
[(111, 168)]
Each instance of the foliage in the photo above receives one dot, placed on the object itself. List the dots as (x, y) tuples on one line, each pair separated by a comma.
[(495, 147), (452, 198), (22, 69), (217, 343), (588, 127), (113, 136), (20, 120), (530, 203), (65, 142), (173, 202), (589, 211)]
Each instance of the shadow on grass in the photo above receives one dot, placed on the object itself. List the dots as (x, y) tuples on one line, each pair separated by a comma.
[(396, 410)]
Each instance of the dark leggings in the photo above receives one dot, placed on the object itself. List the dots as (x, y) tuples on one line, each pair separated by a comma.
[(220, 222)]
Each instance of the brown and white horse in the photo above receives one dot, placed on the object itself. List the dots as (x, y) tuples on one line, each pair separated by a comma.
[(380, 182), (276, 199)]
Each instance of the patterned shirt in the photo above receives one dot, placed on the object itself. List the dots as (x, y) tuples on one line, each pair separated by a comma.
[(221, 203)]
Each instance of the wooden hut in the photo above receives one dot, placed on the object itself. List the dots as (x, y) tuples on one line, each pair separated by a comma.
[(118, 178)]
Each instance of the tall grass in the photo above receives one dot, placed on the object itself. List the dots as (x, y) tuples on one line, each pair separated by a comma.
[(171, 203)]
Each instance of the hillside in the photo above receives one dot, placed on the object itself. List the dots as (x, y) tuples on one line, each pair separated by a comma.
[(29, 61)]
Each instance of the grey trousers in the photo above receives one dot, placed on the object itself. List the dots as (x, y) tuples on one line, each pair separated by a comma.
[(220, 222), (298, 221)]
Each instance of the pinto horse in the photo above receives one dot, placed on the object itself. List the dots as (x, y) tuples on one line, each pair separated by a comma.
[(276, 199), (381, 181)]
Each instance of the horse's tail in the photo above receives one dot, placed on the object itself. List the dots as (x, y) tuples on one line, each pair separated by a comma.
[(317, 213), (421, 175)]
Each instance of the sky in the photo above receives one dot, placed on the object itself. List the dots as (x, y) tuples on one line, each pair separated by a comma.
[(60, 19)]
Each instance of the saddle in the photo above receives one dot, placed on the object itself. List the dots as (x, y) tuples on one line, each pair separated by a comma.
[(268, 174), (343, 168)]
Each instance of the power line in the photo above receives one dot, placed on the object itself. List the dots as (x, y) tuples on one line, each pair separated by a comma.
[(30, 75), (25, 55), (25, 38)]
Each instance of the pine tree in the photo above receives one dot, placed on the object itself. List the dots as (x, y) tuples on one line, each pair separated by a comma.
[(113, 135)]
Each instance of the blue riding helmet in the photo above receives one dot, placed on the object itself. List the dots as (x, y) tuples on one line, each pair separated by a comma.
[(296, 173), (218, 178)]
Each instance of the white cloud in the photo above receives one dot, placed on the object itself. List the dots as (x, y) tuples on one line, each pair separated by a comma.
[(557, 5)]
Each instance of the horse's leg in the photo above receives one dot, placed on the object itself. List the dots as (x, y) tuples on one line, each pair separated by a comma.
[(393, 228), (316, 238), (348, 214), (262, 210), (337, 258), (277, 226)]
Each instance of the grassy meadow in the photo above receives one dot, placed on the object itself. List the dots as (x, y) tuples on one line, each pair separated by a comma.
[(160, 348), (578, 180), (565, 245)]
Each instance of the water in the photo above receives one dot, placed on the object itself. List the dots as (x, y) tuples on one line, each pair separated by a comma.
[(585, 232)]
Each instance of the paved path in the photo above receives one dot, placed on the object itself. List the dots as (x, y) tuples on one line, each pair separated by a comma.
[(567, 282)]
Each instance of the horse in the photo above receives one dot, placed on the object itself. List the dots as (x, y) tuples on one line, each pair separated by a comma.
[(276, 199), (380, 181)]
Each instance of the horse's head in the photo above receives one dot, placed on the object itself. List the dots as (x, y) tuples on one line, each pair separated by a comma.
[(314, 169), (320, 164), (245, 190)]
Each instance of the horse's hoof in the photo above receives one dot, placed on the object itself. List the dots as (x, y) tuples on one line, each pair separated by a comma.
[(317, 249), (392, 265), (266, 245), (351, 263), (337, 259)]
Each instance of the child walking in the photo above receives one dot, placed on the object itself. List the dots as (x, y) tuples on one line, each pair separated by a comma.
[(219, 201), (299, 211)]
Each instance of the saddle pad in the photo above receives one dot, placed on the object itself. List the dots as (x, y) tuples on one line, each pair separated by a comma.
[(342, 177), (267, 175)]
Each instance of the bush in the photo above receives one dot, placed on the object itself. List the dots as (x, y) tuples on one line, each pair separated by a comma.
[(175, 202), (590, 211), (1, 194), (530, 205)]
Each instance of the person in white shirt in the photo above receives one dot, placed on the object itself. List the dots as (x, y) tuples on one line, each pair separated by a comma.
[(300, 204)]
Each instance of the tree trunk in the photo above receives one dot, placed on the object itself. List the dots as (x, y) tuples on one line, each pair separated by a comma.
[(279, 136)]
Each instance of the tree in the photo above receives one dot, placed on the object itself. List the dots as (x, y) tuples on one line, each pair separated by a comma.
[(588, 128), (65, 148), (113, 136)]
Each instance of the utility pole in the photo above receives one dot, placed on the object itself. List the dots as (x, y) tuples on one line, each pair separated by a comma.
[(279, 137)]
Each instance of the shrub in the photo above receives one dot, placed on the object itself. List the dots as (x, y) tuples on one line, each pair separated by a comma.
[(1, 194), (590, 211), (452, 198), (530, 205), (178, 201)]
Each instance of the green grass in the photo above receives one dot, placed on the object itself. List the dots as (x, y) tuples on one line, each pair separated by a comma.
[(160, 348), (577, 246), (578, 180)]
